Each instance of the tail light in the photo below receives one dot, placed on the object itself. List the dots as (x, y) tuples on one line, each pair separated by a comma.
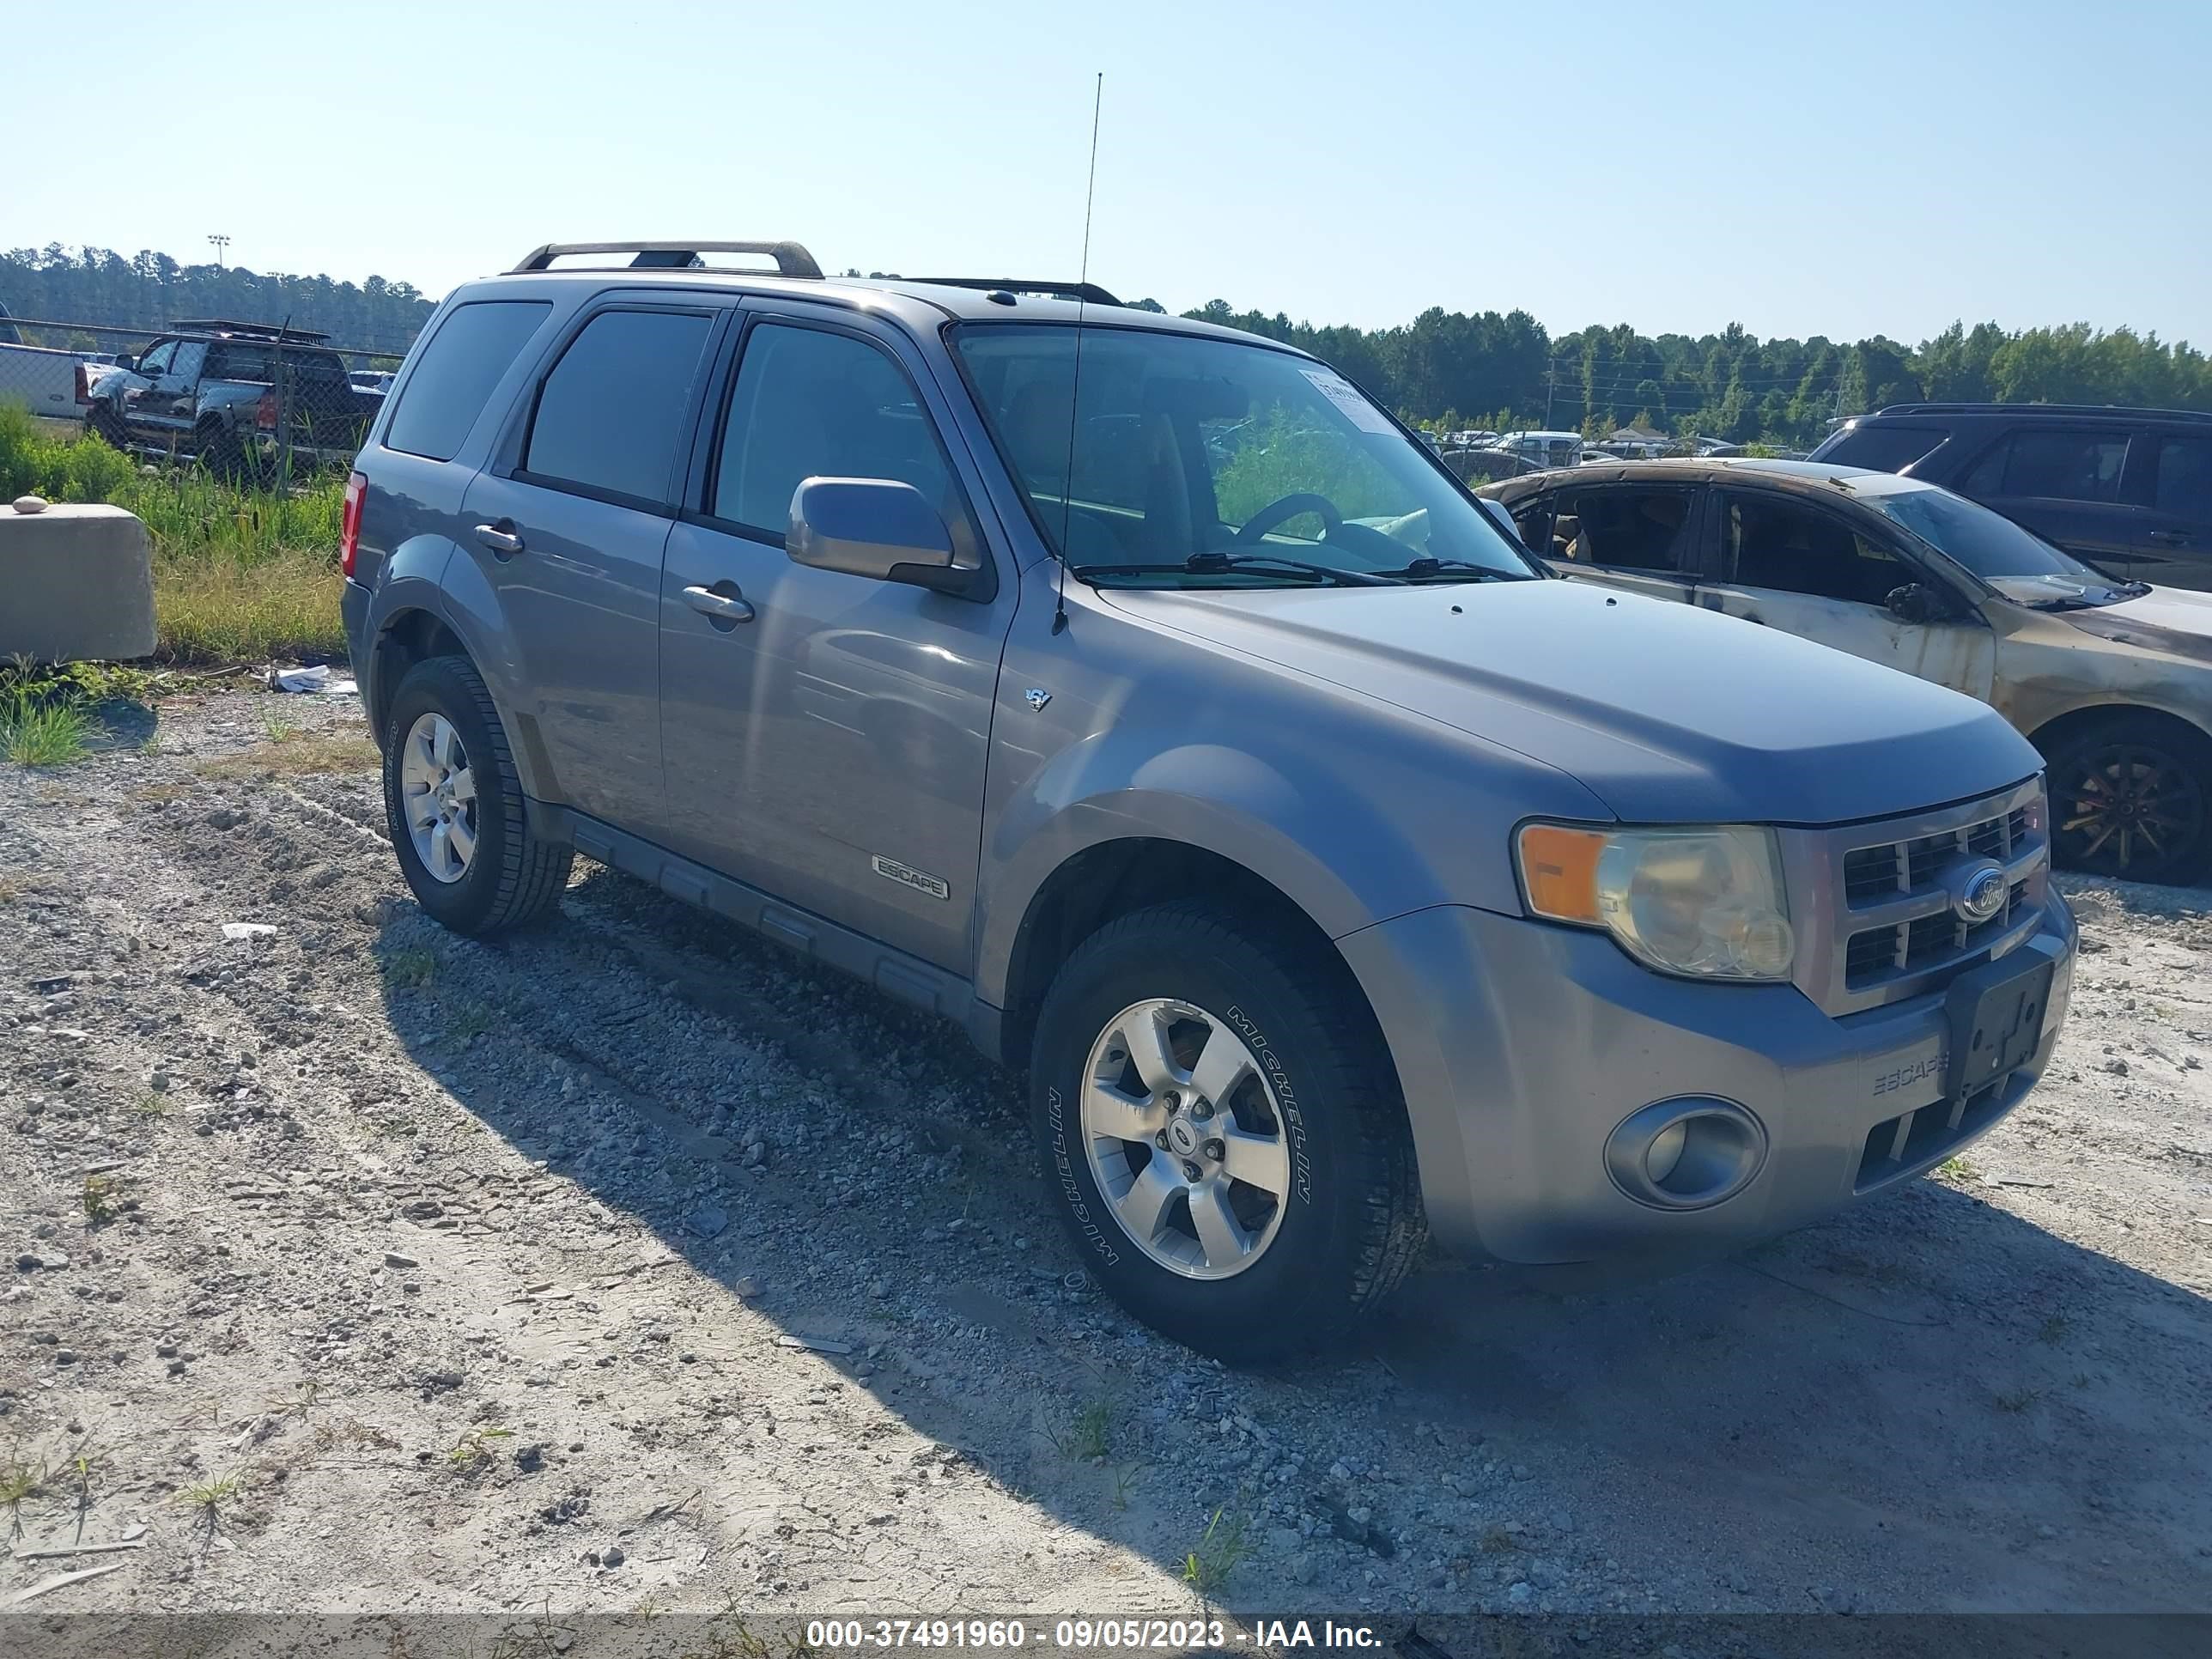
[(350, 521), (264, 412), (83, 384)]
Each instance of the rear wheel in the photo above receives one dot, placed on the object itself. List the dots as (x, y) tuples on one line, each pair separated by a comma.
[(1223, 1133), (223, 454), (2129, 798), (454, 806)]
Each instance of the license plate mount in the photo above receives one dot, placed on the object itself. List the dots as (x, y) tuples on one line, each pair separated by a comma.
[(1995, 1019)]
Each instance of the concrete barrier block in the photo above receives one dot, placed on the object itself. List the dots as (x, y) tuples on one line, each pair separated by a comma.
[(77, 583)]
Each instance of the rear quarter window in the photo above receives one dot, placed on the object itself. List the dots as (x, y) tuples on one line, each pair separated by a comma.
[(463, 360), (1884, 448)]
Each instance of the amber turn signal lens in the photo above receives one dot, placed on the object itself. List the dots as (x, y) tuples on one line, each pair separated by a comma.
[(1560, 867)]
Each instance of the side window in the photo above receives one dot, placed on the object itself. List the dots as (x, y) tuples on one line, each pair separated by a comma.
[(2184, 478), (1884, 448), (191, 354), (809, 403), (473, 346), (235, 361), (2061, 465), (157, 361), (1631, 528), (614, 406), (1774, 543)]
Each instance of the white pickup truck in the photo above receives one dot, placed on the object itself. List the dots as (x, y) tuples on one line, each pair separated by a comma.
[(44, 382)]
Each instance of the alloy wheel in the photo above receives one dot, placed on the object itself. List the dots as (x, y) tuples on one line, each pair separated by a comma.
[(2130, 810), (438, 791), (1186, 1139)]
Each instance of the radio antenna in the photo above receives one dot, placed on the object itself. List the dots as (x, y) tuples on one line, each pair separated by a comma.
[(1075, 382)]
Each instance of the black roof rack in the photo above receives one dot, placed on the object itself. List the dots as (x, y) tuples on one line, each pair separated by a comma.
[(1090, 293), (245, 330), (791, 260), (2075, 409)]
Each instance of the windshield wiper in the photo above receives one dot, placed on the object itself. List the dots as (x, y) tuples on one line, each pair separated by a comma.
[(1217, 563), (1427, 565)]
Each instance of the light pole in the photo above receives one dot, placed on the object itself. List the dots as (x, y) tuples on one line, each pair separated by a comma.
[(221, 243)]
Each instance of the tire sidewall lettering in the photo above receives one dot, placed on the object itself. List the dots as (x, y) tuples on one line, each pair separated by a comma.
[(1071, 1189), (1286, 1098)]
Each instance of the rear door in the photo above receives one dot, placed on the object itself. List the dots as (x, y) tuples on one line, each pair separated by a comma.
[(566, 525), (2177, 546), (1826, 576), (1633, 535), (2069, 485)]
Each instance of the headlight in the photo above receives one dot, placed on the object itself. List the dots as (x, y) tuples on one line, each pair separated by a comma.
[(1705, 901)]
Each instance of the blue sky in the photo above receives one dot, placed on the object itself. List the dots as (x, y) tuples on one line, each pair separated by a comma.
[(1796, 167)]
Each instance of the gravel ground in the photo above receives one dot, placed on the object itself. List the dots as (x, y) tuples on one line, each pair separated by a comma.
[(351, 1266)]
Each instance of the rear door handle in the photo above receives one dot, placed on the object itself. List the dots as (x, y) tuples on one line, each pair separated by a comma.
[(499, 537), (725, 609), (2169, 537)]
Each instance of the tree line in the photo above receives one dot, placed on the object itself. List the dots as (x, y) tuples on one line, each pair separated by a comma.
[(99, 286), (1446, 368), (1453, 369)]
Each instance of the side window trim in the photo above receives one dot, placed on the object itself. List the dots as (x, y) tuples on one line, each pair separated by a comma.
[(697, 506), (515, 441)]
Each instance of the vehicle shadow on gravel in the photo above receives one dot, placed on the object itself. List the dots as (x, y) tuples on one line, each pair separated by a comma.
[(1931, 1397)]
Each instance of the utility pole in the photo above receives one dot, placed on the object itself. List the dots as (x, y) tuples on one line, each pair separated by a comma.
[(1551, 381), (221, 243)]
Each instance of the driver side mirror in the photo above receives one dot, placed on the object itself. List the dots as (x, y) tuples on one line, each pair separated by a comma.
[(1916, 601), (127, 360), (874, 528)]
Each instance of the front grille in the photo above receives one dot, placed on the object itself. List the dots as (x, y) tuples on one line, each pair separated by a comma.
[(1913, 868), (1882, 927)]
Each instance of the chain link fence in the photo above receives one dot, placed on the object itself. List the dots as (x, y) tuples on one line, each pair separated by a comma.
[(254, 403)]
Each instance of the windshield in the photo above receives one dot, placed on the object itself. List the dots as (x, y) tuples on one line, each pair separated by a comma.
[(1988, 543), (1194, 462)]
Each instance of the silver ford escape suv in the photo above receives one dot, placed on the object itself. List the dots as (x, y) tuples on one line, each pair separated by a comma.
[(1141, 695)]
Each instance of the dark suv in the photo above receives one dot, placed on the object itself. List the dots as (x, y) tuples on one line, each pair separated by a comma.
[(2128, 489)]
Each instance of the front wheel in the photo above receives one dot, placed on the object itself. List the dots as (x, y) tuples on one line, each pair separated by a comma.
[(2129, 799), (102, 423), (1223, 1133)]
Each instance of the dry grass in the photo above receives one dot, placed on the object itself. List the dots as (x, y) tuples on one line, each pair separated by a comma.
[(213, 608), (294, 757)]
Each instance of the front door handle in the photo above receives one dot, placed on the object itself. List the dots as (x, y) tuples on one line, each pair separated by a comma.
[(721, 604), (499, 537), (2169, 537)]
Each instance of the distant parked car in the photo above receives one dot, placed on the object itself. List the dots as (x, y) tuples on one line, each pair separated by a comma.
[(2128, 489), (370, 380), (1544, 448), (1485, 465), (2112, 681)]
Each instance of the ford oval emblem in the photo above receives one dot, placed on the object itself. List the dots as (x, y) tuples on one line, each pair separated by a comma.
[(1978, 890)]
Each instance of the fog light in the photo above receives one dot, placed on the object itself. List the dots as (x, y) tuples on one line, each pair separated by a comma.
[(1688, 1153)]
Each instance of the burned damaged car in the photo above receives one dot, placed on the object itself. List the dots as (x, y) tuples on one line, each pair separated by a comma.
[(2111, 679)]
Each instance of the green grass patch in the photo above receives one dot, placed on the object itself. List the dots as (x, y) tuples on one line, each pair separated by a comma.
[(32, 733), (240, 574)]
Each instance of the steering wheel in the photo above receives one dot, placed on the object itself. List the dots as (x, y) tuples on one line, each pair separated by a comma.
[(1285, 508)]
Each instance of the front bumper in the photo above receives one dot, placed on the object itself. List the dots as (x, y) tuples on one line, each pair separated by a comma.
[(1520, 1046)]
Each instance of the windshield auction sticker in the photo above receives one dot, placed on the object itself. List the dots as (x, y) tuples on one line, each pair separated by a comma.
[(1347, 397)]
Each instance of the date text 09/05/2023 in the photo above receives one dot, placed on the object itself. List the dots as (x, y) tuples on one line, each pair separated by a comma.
[(1131, 1634)]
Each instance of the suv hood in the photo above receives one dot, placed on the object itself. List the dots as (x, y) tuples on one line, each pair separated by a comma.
[(1668, 713)]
